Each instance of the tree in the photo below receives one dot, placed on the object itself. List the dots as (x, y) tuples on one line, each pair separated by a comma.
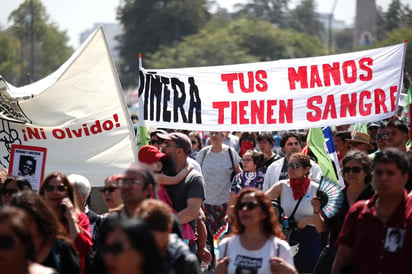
[(304, 19), (150, 24), (398, 36), (241, 40), (50, 49), (270, 10), (397, 16), (9, 56)]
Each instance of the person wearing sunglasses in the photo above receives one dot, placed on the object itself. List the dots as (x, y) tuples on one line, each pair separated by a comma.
[(53, 247), (11, 186), (295, 196), (380, 140), (197, 143), (357, 174), (127, 246), (17, 250), (155, 140), (257, 243), (112, 195), (59, 195)]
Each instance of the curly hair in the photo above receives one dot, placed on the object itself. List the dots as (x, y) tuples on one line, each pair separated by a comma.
[(303, 159), (270, 225), (363, 159)]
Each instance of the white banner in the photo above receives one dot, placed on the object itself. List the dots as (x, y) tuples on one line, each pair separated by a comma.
[(278, 95), (77, 114)]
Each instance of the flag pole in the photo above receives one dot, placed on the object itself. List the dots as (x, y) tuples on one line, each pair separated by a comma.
[(143, 133)]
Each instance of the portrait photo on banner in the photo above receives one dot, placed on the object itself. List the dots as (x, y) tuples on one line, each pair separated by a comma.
[(29, 162)]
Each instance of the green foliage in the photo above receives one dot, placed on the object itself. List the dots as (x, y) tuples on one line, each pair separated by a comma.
[(304, 19), (50, 45), (242, 40), (397, 16), (398, 36), (270, 10), (9, 56), (149, 25)]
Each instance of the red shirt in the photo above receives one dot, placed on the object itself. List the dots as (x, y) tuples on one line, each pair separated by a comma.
[(369, 238)]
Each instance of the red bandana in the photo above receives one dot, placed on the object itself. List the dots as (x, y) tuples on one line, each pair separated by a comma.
[(299, 187)]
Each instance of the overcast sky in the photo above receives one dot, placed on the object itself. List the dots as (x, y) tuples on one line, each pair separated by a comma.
[(76, 16)]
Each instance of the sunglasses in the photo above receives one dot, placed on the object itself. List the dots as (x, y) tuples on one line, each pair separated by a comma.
[(158, 142), (354, 169), (249, 205), (123, 182), (109, 189), (193, 142), (7, 242), (60, 188), (294, 165), (380, 136), (9, 192), (114, 249)]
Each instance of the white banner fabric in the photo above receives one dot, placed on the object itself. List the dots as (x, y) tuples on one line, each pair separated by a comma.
[(278, 95), (77, 113)]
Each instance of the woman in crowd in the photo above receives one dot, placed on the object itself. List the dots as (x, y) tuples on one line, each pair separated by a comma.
[(128, 247), (357, 173), (58, 194), (265, 142), (52, 245), (112, 195), (197, 143), (257, 244), (218, 162), (295, 196), (251, 176), (17, 250), (12, 185)]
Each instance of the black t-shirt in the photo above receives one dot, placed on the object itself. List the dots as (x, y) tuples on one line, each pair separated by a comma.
[(284, 172), (190, 187), (335, 223), (63, 258)]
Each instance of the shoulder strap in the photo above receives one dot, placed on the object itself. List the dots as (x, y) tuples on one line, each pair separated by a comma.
[(296, 207), (56, 256), (231, 158), (204, 155)]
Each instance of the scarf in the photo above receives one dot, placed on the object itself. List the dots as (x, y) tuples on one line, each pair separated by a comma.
[(299, 186)]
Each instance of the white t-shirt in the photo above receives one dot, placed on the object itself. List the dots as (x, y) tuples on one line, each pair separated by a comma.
[(242, 260)]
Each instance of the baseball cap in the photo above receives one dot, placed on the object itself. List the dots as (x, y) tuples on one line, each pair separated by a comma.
[(180, 139), (149, 154)]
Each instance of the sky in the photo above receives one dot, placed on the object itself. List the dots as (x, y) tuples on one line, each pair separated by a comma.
[(76, 16)]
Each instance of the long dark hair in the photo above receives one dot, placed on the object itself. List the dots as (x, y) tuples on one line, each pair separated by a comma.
[(140, 238), (270, 225), (47, 222), (19, 224)]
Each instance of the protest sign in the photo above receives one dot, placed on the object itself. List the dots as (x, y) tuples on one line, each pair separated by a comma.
[(77, 114), (277, 95)]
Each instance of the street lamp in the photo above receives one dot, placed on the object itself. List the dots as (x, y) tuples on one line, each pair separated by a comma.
[(330, 26)]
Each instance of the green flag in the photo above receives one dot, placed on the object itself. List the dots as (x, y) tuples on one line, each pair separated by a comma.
[(316, 144)]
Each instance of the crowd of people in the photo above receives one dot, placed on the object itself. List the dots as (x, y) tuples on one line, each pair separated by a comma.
[(220, 202)]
